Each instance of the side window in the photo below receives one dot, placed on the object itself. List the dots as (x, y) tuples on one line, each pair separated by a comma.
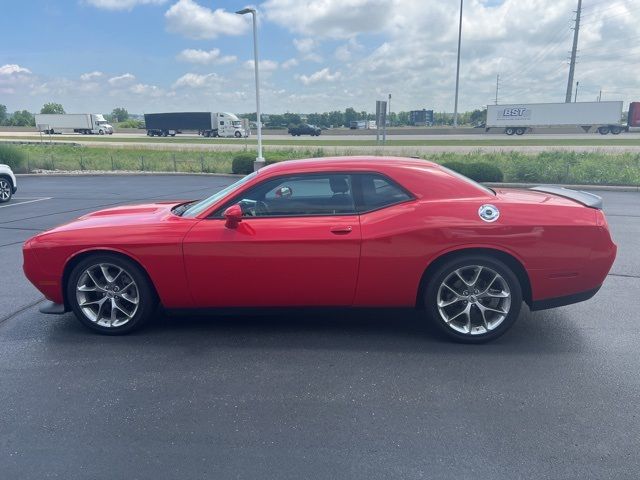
[(299, 195), (377, 191)]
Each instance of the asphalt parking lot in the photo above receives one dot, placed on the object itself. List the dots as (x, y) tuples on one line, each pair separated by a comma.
[(367, 394)]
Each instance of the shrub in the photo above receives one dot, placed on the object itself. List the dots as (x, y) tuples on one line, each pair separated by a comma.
[(478, 171), (15, 157), (243, 163), (131, 124), (484, 172)]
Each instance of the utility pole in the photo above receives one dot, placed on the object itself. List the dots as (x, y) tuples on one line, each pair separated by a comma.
[(574, 50), (600, 96), (390, 110), (455, 108), (575, 98), (497, 86)]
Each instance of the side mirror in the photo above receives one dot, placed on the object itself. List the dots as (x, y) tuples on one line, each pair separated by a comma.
[(233, 216)]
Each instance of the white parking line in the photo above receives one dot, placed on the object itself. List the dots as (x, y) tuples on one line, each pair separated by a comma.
[(26, 201)]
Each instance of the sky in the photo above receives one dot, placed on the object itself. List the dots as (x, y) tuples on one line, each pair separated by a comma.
[(315, 56)]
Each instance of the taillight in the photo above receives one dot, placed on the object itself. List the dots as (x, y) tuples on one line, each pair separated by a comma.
[(601, 219)]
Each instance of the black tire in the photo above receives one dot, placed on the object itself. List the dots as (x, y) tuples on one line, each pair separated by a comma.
[(164, 134), (147, 299), (237, 134), (509, 130), (520, 131), (6, 189), (603, 130), (101, 132), (447, 270), (615, 130)]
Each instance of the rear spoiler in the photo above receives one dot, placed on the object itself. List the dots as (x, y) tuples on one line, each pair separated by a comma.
[(585, 198)]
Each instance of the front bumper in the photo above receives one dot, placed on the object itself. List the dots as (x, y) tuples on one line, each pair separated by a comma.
[(52, 308)]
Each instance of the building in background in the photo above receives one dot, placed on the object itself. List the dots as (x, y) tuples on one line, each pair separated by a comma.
[(421, 118)]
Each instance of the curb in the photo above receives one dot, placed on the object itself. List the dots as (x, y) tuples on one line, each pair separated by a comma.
[(608, 188), (121, 173)]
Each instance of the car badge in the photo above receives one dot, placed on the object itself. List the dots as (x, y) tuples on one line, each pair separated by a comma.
[(488, 212)]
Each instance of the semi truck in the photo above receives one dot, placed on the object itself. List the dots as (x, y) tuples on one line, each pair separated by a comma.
[(207, 124), (85, 123), (601, 117)]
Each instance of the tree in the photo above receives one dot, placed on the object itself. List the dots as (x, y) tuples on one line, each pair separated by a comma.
[(22, 118), (3, 114), (120, 114), (478, 116), (55, 108), (350, 115)]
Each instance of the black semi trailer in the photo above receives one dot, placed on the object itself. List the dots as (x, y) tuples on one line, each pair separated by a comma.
[(168, 124)]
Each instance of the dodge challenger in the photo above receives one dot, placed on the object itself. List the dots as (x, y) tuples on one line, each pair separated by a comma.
[(332, 232)]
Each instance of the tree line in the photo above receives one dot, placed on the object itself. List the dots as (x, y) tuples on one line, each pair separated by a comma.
[(336, 118)]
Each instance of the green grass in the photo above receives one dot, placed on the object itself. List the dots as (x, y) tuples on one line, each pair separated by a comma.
[(65, 157), (561, 167), (349, 141)]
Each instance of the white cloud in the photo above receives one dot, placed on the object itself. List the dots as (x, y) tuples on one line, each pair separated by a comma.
[(287, 64), (146, 90), (320, 76), (204, 57), (306, 47), (91, 76), (192, 20), (330, 18), (123, 79), (122, 4), (265, 65), (13, 69), (345, 51), (194, 80)]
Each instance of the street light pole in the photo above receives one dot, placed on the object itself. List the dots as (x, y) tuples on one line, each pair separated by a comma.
[(259, 163), (455, 108)]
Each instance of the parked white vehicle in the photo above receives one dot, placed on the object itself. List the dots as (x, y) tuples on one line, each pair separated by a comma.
[(8, 183), (85, 123)]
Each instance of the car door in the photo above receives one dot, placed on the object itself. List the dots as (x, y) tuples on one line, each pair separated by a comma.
[(298, 244)]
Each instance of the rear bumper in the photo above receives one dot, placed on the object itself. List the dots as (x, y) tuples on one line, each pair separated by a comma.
[(561, 301)]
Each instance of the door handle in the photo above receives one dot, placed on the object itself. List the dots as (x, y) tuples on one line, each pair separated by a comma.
[(341, 230)]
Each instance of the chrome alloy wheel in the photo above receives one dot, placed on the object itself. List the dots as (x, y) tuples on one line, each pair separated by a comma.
[(474, 300), (5, 190), (107, 295)]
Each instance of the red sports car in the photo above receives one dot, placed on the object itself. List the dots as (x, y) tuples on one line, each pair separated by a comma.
[(351, 232)]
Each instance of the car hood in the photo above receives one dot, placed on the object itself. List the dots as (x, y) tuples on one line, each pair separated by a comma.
[(122, 216)]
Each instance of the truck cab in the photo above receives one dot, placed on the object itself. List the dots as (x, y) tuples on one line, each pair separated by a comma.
[(229, 125), (100, 125)]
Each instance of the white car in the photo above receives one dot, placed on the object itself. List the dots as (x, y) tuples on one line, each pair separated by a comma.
[(8, 183)]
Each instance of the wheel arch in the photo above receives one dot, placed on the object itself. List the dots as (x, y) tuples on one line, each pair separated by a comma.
[(79, 256), (510, 260)]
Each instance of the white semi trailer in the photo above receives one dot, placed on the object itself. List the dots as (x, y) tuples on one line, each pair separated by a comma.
[(85, 123), (518, 118)]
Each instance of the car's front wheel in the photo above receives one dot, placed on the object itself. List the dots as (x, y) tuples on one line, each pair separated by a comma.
[(110, 294), (473, 298), (6, 190)]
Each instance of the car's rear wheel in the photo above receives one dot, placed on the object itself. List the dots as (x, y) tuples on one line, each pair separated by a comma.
[(473, 298), (110, 294), (6, 190)]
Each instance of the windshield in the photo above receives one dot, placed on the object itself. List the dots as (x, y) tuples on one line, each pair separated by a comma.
[(199, 207), (237, 123)]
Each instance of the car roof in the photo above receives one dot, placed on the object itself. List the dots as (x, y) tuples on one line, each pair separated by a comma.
[(347, 163)]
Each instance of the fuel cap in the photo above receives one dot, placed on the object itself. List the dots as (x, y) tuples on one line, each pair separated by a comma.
[(488, 212)]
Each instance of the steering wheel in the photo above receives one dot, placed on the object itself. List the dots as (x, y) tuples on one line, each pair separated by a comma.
[(261, 208)]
